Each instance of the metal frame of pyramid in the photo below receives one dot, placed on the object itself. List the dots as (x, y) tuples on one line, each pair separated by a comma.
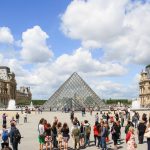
[(76, 94)]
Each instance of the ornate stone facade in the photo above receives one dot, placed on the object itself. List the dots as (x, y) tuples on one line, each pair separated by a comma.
[(7, 85), (8, 88), (144, 86), (23, 95)]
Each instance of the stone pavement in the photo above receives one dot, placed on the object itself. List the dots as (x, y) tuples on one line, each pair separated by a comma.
[(30, 133)]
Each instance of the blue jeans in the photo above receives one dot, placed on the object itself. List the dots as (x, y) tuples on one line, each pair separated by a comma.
[(15, 145), (55, 144), (87, 140), (103, 142), (99, 141)]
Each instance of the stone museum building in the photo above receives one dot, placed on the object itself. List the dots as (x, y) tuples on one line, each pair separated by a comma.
[(144, 86), (23, 95), (8, 88)]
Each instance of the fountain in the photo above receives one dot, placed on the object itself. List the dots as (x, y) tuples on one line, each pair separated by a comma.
[(11, 105), (31, 106), (136, 104)]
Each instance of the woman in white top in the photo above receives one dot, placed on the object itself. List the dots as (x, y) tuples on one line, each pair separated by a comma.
[(148, 138), (41, 131)]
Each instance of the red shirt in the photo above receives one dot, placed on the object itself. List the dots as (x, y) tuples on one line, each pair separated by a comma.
[(95, 130), (128, 135)]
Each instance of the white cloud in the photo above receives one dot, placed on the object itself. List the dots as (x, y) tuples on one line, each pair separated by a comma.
[(45, 78), (15, 66), (6, 36), (109, 89), (50, 75), (94, 22), (34, 47), (119, 27), (134, 45)]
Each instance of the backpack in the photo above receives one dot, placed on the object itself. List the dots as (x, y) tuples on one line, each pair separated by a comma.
[(76, 132), (141, 127), (17, 136), (88, 130), (5, 136), (113, 131), (127, 129)]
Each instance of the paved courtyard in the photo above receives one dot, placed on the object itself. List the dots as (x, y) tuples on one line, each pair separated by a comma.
[(30, 133)]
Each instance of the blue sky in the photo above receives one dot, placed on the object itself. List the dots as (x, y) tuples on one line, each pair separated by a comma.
[(21, 15), (44, 42)]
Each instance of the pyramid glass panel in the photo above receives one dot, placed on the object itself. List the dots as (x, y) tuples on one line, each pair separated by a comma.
[(74, 94)]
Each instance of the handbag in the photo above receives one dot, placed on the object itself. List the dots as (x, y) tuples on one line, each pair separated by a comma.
[(147, 134), (135, 145), (42, 135)]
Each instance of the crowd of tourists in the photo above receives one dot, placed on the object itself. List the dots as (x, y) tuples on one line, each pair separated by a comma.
[(57, 134), (10, 137), (106, 127)]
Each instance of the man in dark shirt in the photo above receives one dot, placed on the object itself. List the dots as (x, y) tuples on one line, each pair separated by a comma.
[(14, 136)]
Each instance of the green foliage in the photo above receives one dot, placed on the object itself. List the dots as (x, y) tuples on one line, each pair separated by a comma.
[(115, 101), (35, 102), (38, 102), (148, 66), (23, 102)]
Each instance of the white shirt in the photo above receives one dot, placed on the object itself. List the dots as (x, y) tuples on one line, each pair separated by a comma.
[(41, 129), (1, 136), (25, 115)]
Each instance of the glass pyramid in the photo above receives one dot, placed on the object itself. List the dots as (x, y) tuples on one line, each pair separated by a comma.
[(74, 94)]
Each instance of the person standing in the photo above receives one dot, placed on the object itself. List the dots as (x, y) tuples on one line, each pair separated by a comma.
[(115, 134), (96, 118), (75, 133), (25, 117), (54, 135), (72, 116), (135, 119), (83, 112), (17, 117), (117, 116), (141, 131), (107, 117), (148, 136), (65, 134), (104, 134), (82, 134), (41, 136), (130, 139), (122, 120), (59, 135), (48, 137), (95, 130), (87, 132), (4, 116), (4, 137), (99, 145), (15, 136)]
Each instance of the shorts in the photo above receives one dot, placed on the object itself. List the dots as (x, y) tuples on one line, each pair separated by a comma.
[(77, 139), (66, 139), (41, 140), (5, 144), (48, 139), (81, 135), (59, 138)]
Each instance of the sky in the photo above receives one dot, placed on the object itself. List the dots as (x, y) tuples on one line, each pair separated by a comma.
[(106, 42)]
